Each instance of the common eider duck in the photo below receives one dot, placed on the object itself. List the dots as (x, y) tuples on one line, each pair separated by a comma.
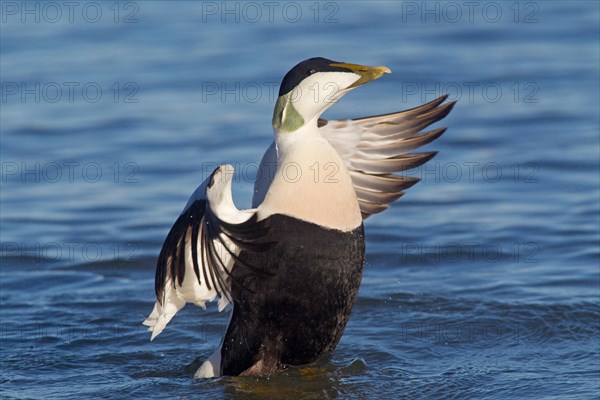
[(291, 266)]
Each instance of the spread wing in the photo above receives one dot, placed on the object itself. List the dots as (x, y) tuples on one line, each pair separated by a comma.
[(197, 257), (374, 148)]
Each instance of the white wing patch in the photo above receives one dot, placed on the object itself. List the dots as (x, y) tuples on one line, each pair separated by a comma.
[(196, 259)]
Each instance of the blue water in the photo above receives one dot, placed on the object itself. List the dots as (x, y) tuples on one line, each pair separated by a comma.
[(481, 282)]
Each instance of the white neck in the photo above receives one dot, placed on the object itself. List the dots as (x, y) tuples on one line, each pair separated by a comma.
[(286, 140), (312, 182)]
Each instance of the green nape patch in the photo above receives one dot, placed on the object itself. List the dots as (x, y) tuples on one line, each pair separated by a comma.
[(285, 116)]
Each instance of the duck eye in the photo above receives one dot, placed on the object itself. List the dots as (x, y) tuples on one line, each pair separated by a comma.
[(312, 71)]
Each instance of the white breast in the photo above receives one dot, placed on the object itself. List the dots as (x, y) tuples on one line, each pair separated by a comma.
[(312, 183)]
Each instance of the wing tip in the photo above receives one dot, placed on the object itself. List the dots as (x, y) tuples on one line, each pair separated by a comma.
[(436, 133)]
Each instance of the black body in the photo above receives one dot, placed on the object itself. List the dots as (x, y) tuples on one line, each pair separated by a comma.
[(298, 308)]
